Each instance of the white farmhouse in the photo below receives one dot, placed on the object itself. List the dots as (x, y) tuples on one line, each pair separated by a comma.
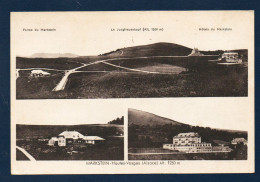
[(39, 73), (73, 137)]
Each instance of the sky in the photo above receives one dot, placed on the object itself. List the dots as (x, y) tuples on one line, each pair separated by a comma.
[(66, 112), (89, 33)]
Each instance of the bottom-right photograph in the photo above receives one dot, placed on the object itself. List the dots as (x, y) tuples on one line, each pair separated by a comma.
[(155, 137)]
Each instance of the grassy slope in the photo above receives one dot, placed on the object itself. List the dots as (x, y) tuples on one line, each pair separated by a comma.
[(33, 88), (144, 118), (157, 49), (220, 81), (194, 63)]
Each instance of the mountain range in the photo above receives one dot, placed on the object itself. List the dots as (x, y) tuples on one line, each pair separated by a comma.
[(53, 55)]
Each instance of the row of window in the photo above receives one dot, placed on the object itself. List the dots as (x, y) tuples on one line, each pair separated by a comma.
[(201, 145)]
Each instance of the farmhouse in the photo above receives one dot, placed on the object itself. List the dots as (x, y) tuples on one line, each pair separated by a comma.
[(189, 143), (236, 141), (73, 137), (231, 57), (39, 73)]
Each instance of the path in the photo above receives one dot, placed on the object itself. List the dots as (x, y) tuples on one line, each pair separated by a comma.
[(62, 84), (131, 69), (26, 153)]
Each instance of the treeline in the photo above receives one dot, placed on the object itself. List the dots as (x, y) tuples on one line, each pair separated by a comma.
[(156, 136), (119, 121), (48, 131), (217, 52)]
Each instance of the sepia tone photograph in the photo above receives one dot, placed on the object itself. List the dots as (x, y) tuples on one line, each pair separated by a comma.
[(168, 59), (153, 137), (100, 141), (154, 70)]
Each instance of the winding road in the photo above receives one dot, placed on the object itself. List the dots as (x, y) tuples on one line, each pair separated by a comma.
[(130, 69), (62, 84)]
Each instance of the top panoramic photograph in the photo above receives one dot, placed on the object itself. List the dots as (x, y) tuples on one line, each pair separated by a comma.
[(147, 60)]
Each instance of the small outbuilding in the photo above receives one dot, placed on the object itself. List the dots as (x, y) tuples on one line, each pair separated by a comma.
[(93, 139), (39, 73), (236, 141)]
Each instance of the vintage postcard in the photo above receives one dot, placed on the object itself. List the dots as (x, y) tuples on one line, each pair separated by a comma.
[(92, 55), (132, 92)]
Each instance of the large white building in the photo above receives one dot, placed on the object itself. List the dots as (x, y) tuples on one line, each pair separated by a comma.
[(72, 137), (189, 143)]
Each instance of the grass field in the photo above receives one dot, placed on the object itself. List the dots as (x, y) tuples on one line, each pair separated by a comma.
[(37, 87), (181, 156), (110, 149), (217, 82), (20, 156), (54, 63), (34, 139), (238, 153), (199, 78)]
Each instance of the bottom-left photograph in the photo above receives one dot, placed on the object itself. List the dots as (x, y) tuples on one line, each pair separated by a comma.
[(71, 142)]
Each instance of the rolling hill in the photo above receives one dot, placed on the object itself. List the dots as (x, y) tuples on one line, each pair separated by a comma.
[(157, 49), (145, 118)]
